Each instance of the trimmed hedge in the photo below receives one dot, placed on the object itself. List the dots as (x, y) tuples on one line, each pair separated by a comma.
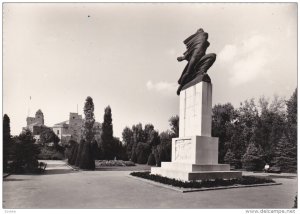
[(245, 180), (101, 163)]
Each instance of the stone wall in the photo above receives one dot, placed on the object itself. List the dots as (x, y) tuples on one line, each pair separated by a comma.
[(75, 124)]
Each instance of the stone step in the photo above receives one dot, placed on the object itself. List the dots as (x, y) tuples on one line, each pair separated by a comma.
[(200, 175), (195, 167)]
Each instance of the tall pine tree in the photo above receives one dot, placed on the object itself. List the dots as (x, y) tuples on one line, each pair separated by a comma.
[(285, 155), (253, 159), (85, 157), (292, 119)]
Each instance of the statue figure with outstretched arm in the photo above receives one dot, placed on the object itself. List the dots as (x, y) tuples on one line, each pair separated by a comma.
[(198, 61)]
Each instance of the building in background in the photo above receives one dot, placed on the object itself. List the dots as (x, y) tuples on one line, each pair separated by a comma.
[(71, 129), (36, 124)]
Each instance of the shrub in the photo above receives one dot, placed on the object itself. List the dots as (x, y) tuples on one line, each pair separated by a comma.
[(25, 153), (50, 153)]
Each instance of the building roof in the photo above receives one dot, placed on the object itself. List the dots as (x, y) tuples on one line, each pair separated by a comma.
[(61, 124)]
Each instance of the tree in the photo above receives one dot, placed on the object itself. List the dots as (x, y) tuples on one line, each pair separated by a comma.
[(48, 136), (87, 160), (6, 141), (138, 136), (107, 135), (292, 118), (119, 149), (162, 152), (222, 119), (147, 132), (153, 139), (133, 157), (127, 136), (151, 160), (241, 129), (174, 124), (138, 133), (142, 152), (85, 157), (285, 155), (268, 131), (74, 153), (165, 147), (70, 150), (231, 159), (253, 159), (25, 153)]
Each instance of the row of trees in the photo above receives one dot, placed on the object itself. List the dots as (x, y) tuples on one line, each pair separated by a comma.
[(255, 134), (146, 145), (83, 155), (249, 137), (141, 145)]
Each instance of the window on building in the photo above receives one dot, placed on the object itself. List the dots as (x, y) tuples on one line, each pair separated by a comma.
[(57, 131)]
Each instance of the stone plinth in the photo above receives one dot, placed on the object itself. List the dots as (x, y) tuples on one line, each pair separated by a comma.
[(196, 110), (195, 158), (195, 152)]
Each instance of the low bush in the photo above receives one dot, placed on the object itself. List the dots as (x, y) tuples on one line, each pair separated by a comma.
[(245, 180), (50, 153), (101, 163)]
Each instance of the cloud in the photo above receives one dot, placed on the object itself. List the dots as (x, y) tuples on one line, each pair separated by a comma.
[(165, 88), (247, 60)]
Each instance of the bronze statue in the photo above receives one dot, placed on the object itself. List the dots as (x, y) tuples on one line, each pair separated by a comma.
[(198, 61)]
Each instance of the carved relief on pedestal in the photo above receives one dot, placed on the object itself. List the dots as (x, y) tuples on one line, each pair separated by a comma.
[(183, 149)]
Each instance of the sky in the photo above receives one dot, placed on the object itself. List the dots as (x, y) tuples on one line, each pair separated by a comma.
[(124, 55)]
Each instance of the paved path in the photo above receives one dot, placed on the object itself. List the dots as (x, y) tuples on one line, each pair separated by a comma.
[(61, 187)]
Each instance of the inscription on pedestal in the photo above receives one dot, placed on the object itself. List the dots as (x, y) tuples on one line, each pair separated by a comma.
[(183, 149)]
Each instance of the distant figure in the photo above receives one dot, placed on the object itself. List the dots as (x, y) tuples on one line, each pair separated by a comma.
[(266, 169), (115, 158), (198, 61)]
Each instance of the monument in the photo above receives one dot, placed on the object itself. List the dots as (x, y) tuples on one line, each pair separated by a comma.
[(195, 151)]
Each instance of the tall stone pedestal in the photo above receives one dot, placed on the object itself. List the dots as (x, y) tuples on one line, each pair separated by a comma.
[(195, 152)]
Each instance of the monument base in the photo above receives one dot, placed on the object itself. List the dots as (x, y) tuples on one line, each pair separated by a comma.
[(199, 172), (195, 158)]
